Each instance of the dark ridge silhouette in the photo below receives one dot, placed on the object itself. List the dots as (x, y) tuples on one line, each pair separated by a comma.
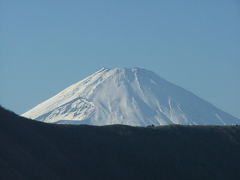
[(32, 150)]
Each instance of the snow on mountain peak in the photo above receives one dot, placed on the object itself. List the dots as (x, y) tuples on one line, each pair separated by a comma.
[(131, 96)]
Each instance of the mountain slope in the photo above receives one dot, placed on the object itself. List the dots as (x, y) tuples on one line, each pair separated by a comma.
[(43, 151), (134, 96)]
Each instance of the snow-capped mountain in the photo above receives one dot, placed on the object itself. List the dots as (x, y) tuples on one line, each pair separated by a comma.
[(128, 96)]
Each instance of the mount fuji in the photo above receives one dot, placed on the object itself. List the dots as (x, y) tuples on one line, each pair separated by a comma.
[(135, 96)]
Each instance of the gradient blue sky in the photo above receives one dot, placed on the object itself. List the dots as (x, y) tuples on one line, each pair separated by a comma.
[(46, 45)]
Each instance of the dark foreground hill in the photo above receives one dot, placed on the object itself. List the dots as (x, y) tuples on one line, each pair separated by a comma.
[(34, 150)]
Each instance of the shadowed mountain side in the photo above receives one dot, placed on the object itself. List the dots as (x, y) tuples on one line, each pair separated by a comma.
[(40, 151)]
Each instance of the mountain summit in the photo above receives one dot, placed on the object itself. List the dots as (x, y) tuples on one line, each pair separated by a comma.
[(133, 96)]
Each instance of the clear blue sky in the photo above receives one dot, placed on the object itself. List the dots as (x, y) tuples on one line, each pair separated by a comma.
[(46, 45)]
